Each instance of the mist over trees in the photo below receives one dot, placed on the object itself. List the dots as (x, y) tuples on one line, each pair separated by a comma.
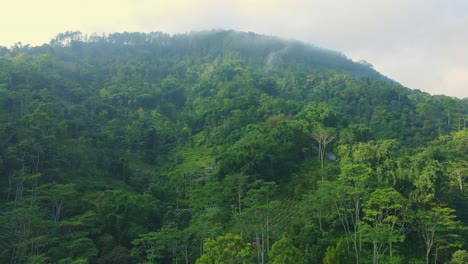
[(223, 147)]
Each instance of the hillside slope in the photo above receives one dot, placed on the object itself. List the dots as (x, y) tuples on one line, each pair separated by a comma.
[(140, 147)]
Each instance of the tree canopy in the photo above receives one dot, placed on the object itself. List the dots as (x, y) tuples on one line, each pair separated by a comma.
[(223, 147)]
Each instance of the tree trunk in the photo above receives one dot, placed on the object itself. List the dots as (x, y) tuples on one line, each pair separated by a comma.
[(428, 251), (375, 253), (391, 253)]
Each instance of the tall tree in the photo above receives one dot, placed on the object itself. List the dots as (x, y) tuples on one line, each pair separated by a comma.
[(323, 137), (385, 219), (437, 228)]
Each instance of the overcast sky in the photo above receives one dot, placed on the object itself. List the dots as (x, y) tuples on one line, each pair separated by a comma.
[(423, 44)]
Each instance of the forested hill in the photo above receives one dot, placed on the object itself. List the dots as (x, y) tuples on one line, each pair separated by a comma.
[(223, 147)]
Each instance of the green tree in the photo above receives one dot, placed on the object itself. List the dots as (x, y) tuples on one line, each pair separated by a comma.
[(283, 251), (260, 219), (385, 219), (437, 227), (229, 249), (426, 174), (350, 190), (73, 238), (155, 246), (238, 183), (56, 197), (459, 257), (338, 253), (125, 215), (323, 137), (449, 105)]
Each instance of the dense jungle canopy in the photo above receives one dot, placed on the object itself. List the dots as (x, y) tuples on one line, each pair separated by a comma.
[(223, 147)]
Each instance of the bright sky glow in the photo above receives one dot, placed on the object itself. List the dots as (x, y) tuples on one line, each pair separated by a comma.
[(422, 44)]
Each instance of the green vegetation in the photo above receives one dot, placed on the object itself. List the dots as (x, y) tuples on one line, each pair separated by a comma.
[(223, 147)]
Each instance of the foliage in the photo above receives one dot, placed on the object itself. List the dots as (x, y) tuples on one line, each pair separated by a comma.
[(225, 249), (216, 146), (283, 251)]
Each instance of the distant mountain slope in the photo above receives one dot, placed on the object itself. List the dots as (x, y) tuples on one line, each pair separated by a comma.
[(273, 50), (268, 49)]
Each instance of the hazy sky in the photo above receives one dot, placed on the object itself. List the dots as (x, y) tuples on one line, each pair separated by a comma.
[(422, 44)]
